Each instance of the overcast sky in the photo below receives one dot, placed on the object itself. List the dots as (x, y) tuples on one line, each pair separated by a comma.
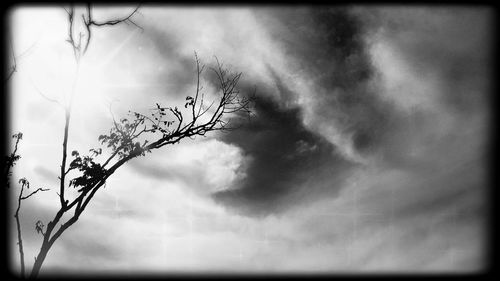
[(366, 151)]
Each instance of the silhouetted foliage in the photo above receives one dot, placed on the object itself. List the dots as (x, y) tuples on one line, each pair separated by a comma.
[(10, 160)]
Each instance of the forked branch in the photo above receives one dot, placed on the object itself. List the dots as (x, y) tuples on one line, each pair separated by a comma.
[(80, 41)]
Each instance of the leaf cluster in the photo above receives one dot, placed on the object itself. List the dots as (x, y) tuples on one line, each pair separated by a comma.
[(10, 160), (92, 172), (122, 137)]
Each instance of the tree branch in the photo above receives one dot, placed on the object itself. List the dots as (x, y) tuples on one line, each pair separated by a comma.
[(24, 183), (13, 68), (38, 189), (44, 96), (114, 22)]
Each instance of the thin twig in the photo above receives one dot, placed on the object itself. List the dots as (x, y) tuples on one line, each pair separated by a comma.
[(38, 189)]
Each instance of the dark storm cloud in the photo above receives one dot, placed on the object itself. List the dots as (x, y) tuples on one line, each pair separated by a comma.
[(330, 47), (287, 163), (451, 46), (328, 43), (286, 158)]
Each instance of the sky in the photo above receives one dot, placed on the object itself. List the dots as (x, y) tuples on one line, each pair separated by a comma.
[(365, 152)]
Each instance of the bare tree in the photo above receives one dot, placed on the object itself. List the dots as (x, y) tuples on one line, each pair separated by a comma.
[(129, 137)]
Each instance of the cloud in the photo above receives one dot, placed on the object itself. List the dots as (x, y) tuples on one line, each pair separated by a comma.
[(337, 109), (447, 48), (331, 73), (286, 162), (47, 174), (205, 166), (366, 151)]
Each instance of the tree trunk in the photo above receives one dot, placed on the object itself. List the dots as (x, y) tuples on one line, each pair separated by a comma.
[(40, 258), (20, 244)]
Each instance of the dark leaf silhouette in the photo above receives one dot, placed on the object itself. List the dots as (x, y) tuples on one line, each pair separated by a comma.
[(39, 227)]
